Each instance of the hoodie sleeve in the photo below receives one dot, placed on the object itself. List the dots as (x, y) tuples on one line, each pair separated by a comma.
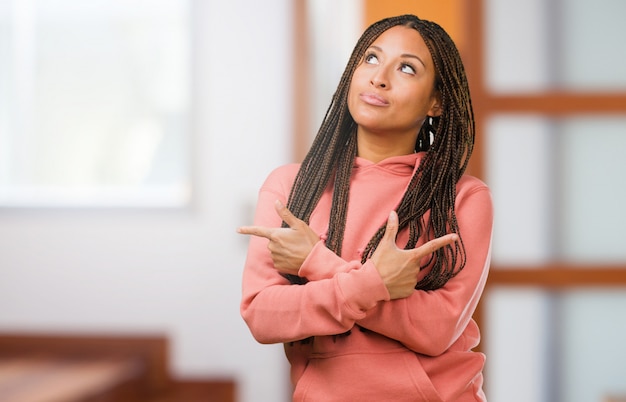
[(276, 311), (429, 322), (323, 263)]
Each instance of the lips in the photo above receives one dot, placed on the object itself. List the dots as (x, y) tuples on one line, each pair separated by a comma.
[(373, 99)]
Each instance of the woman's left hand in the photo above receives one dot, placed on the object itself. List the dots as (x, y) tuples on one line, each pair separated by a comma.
[(290, 246)]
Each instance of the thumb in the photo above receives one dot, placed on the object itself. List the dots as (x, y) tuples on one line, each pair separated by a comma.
[(391, 230), (285, 214)]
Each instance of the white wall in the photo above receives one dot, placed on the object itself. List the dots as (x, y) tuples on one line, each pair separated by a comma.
[(174, 272)]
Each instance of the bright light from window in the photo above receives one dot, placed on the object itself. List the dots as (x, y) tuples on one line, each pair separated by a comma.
[(95, 100)]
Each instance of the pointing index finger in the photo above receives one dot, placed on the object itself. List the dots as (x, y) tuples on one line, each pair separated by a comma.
[(435, 244), (260, 231)]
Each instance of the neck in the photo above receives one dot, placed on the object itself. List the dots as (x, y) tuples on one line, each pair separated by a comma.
[(376, 147)]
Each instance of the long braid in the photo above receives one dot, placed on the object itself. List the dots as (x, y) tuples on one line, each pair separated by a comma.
[(431, 191)]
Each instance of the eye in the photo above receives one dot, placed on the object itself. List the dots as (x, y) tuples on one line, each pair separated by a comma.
[(371, 59), (407, 68)]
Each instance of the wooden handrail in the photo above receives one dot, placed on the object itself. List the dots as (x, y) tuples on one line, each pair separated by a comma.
[(559, 276), (555, 103)]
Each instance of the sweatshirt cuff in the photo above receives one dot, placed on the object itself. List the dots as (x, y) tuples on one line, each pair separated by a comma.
[(363, 288), (323, 263)]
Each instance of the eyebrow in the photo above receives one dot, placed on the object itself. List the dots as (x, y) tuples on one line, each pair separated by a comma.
[(404, 55)]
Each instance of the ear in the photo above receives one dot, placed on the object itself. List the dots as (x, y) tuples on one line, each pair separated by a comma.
[(435, 106)]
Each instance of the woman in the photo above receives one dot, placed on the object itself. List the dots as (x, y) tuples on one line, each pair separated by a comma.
[(367, 260)]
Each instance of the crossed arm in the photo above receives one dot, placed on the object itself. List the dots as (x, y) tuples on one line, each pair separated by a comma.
[(398, 268)]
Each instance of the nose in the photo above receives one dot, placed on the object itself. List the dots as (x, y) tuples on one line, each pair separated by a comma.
[(379, 79), (379, 84)]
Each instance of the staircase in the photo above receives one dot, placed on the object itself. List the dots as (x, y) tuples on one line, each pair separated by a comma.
[(69, 368)]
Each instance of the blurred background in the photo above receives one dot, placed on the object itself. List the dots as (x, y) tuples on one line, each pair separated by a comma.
[(134, 136)]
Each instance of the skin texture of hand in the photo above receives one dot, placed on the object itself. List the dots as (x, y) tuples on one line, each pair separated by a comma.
[(398, 267), (288, 247)]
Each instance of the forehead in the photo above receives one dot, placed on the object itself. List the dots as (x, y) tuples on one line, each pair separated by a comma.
[(399, 40)]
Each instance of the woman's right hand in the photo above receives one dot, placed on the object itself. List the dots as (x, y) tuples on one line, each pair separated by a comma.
[(399, 268), (290, 246)]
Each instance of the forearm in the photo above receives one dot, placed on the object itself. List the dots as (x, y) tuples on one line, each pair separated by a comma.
[(323, 263), (428, 322), (278, 312)]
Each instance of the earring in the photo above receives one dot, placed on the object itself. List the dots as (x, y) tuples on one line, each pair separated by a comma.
[(431, 130)]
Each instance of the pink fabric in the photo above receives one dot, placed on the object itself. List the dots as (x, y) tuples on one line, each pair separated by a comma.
[(413, 349)]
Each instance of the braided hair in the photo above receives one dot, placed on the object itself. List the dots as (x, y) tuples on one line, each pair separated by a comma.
[(433, 185)]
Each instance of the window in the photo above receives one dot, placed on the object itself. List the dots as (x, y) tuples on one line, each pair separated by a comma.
[(95, 103), (551, 107)]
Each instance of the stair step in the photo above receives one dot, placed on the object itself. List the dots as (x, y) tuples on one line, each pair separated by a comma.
[(214, 390), (56, 379)]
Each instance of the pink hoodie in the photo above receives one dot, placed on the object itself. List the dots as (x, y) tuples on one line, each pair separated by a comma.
[(412, 349)]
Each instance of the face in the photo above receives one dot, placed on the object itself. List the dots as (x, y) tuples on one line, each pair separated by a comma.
[(392, 89)]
